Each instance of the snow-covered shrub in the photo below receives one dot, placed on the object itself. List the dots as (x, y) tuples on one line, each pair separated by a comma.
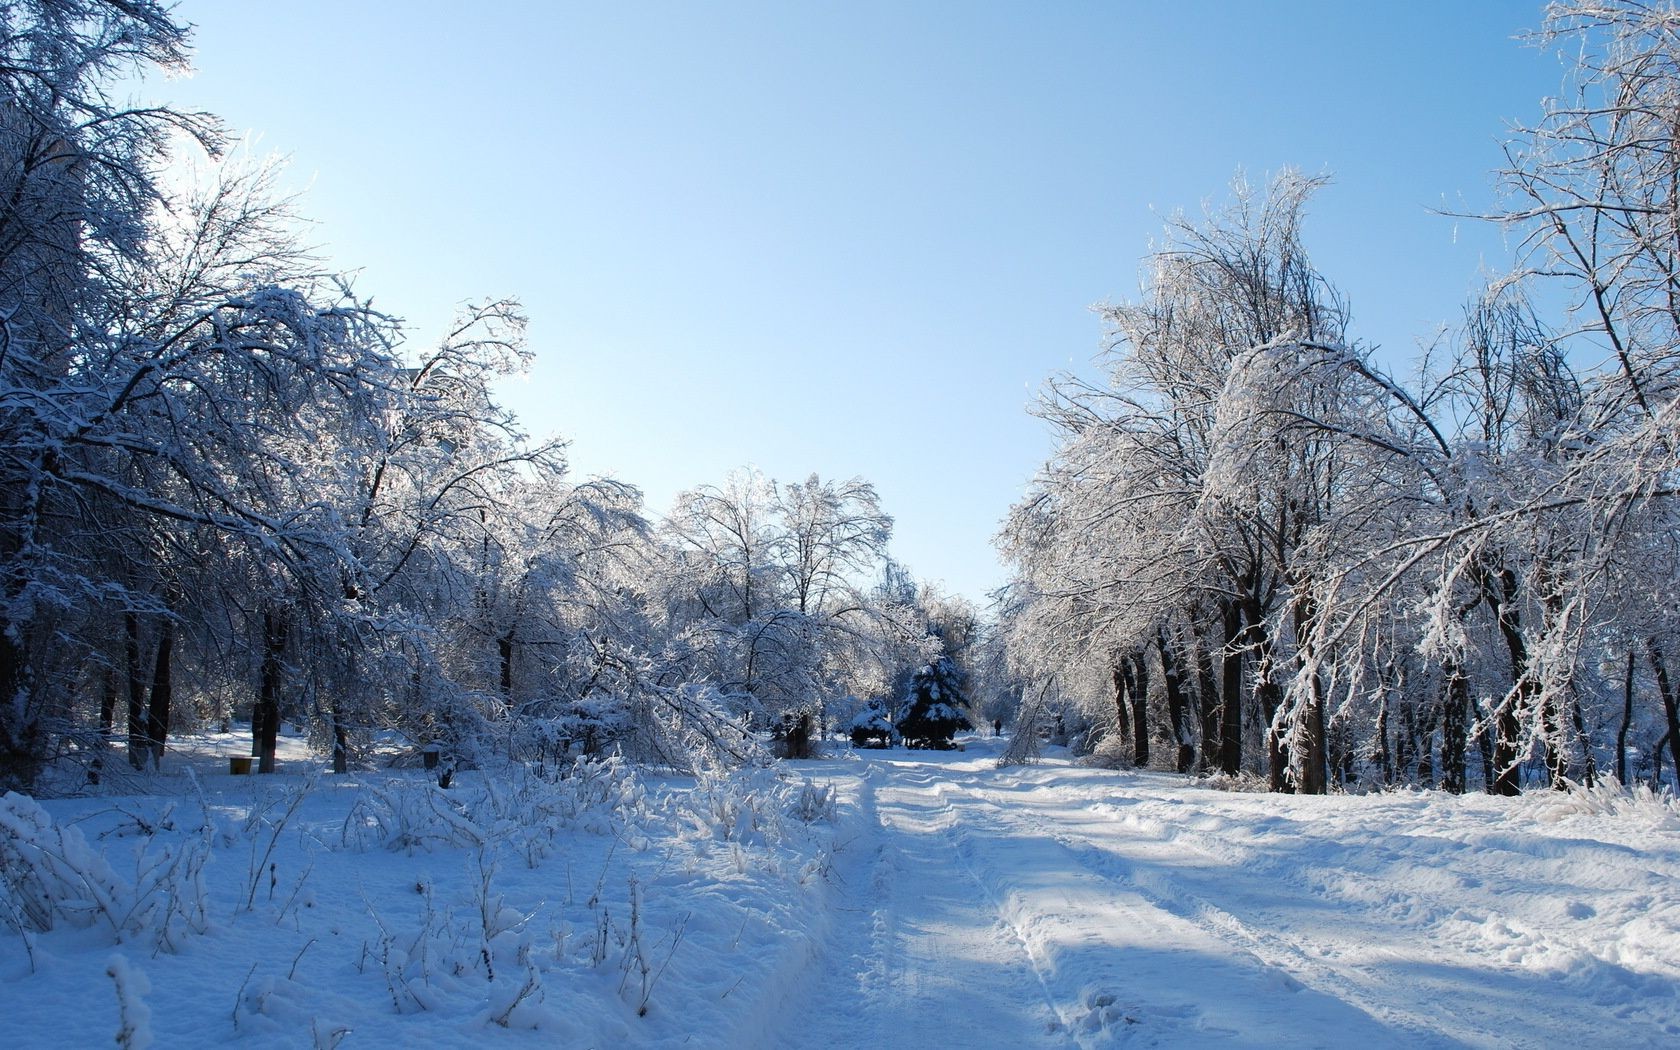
[(643, 962), (1606, 797), (520, 810), (409, 962), (50, 876), (1244, 782), (479, 949), (1109, 750), (870, 727), (813, 802), (690, 728), (135, 1031), (410, 815), (598, 794), (263, 828), (746, 807)]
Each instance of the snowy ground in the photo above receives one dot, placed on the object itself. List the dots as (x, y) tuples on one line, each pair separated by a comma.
[(942, 902)]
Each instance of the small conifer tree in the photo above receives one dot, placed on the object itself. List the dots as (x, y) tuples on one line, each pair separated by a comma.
[(933, 706)]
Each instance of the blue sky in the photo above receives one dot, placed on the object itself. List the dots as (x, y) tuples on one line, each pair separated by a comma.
[(855, 239)]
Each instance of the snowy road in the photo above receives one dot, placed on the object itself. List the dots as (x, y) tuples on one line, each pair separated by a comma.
[(1057, 906)]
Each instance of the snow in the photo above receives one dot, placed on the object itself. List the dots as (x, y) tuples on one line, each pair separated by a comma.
[(931, 899)]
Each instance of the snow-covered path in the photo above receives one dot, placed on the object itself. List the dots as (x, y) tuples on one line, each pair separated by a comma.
[(1056, 906), (943, 902)]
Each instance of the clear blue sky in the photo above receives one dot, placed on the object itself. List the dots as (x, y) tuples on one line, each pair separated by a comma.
[(855, 238)]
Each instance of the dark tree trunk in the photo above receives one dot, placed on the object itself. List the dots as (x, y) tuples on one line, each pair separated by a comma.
[(799, 736), (1501, 592), (504, 652), (1122, 710), (1314, 759), (1671, 704), (14, 682), (1230, 692), (1455, 717), (1589, 763), (138, 750), (265, 715), (1178, 698), (1484, 745), (1424, 746), (1315, 773), (1268, 695), (341, 742), (1208, 689), (1551, 731), (1137, 684), (1405, 742), (1627, 721), (1385, 754), (107, 701), (157, 716)]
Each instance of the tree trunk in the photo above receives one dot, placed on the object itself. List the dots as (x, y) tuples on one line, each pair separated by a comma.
[(1230, 693), (341, 742), (1455, 711), (1425, 746), (1268, 695), (1137, 682), (1207, 683), (1315, 774), (1627, 722), (157, 716), (1551, 730), (504, 652), (1122, 712), (1484, 745), (1384, 756), (1313, 762), (107, 701), (265, 716), (1405, 743), (138, 751), (1507, 716), (1590, 763), (799, 736), (1671, 706)]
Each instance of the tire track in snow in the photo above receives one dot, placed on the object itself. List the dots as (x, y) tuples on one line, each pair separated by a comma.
[(1067, 916), (918, 956), (1455, 928)]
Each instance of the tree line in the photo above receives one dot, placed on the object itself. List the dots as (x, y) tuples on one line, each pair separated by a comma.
[(1258, 548), (229, 486)]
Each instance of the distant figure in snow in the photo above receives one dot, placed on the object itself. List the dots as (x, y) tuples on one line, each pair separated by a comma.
[(997, 727)]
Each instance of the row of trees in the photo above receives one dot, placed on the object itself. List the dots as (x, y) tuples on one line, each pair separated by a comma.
[(1256, 548), (227, 483)]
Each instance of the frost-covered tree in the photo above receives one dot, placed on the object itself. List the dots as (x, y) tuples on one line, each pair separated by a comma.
[(768, 594), (1159, 527)]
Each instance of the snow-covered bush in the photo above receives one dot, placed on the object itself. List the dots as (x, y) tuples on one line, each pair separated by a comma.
[(135, 1031), (519, 809), (50, 876), (813, 802), (871, 728), (525, 811), (747, 807), (410, 815), (1607, 797)]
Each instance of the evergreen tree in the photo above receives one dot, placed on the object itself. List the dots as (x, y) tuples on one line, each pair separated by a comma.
[(934, 704)]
